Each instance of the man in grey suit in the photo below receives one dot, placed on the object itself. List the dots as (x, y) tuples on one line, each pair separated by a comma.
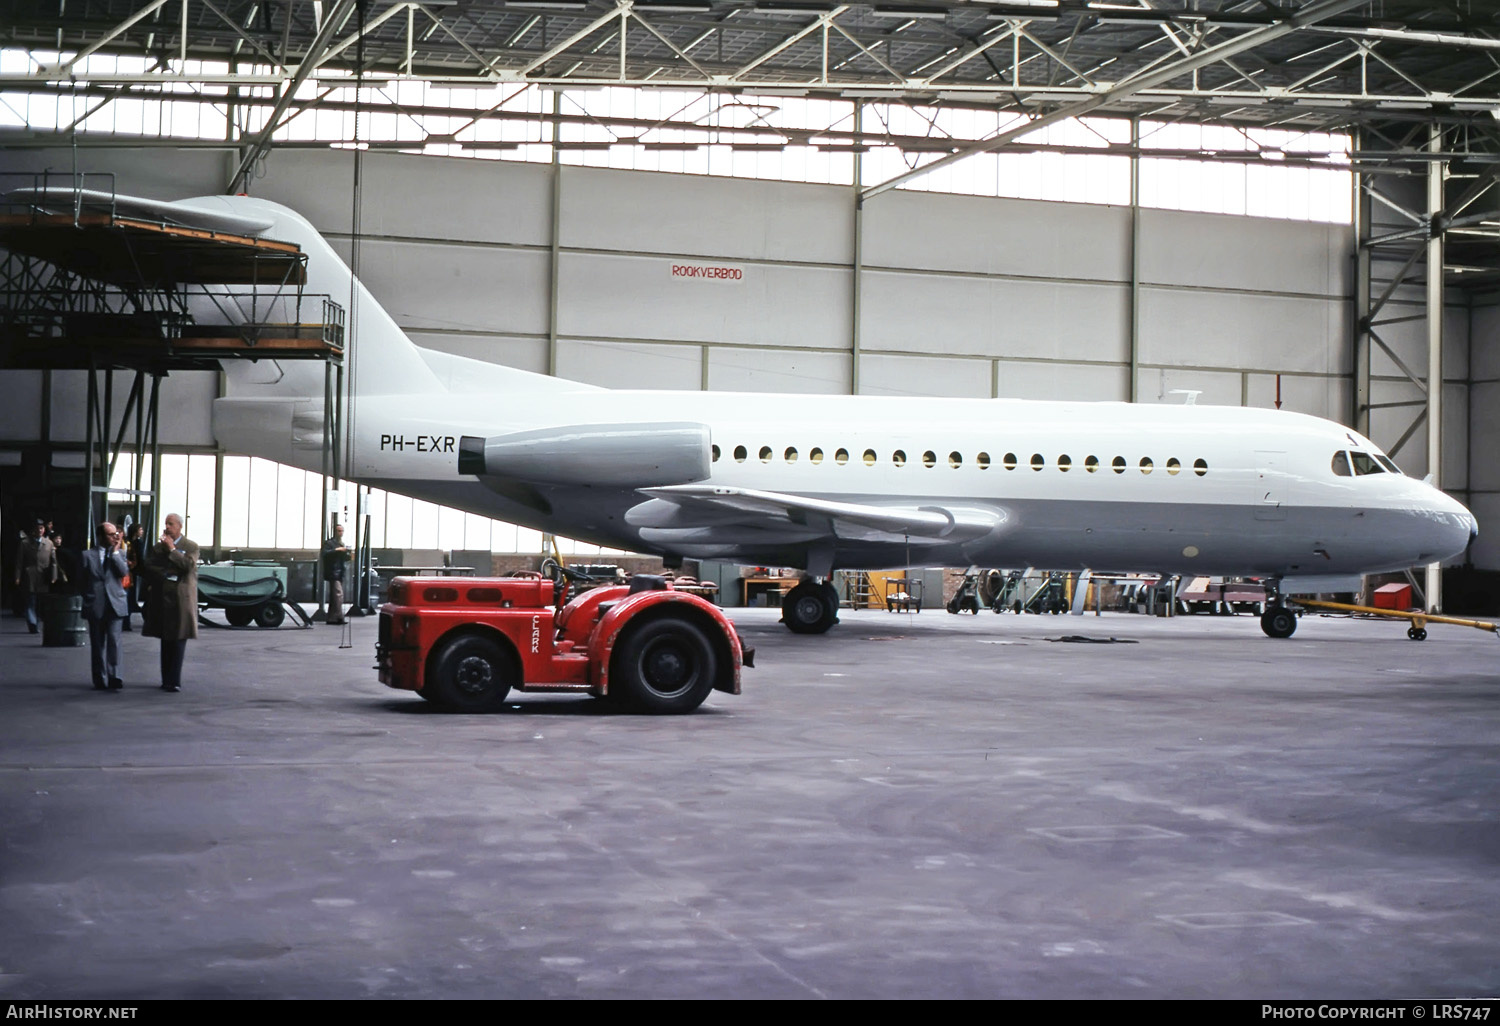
[(104, 604)]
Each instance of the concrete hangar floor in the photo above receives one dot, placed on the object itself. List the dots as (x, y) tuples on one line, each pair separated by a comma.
[(910, 806)]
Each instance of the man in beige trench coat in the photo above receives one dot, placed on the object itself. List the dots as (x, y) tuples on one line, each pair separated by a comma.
[(171, 571)]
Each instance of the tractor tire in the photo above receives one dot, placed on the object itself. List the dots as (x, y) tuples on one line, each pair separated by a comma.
[(470, 673), (665, 666)]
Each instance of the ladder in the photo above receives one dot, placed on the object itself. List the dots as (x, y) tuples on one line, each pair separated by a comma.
[(859, 590)]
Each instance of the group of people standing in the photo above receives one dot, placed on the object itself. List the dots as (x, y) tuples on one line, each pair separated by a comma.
[(111, 577), (117, 576)]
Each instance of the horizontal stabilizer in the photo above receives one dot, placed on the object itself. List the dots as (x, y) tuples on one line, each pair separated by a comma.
[(199, 213), (681, 507)]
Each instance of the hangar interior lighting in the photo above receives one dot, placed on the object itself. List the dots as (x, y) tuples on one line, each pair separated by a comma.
[(935, 13)]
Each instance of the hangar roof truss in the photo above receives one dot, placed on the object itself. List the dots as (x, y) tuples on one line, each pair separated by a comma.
[(1385, 66)]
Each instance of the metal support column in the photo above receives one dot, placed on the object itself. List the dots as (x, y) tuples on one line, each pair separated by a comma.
[(46, 431), (857, 257), (139, 467), (1360, 415), (325, 528), (556, 254), (91, 408), (1132, 392), (154, 432), (105, 419), (218, 541), (1436, 175)]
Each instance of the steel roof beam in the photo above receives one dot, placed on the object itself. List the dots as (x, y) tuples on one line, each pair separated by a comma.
[(821, 22), (366, 29), (1003, 34), (109, 36), (1406, 35), (671, 45), (326, 31), (1134, 84), (226, 19), (439, 23), (567, 43), (896, 75)]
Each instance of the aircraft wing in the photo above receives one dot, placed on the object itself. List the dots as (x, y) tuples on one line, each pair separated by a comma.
[(700, 509)]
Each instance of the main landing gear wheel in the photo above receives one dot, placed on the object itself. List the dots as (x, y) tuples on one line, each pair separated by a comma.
[(470, 673), (810, 608), (1278, 622), (666, 666), (1417, 633)]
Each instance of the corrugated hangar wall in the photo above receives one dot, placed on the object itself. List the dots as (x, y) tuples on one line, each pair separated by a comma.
[(960, 296), (1483, 408)]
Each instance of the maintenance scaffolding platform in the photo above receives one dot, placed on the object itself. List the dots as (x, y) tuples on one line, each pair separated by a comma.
[(94, 282)]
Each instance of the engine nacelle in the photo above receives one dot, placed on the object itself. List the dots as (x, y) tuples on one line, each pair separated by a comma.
[(608, 455)]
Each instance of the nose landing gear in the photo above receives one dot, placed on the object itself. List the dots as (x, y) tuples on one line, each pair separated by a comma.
[(1277, 621)]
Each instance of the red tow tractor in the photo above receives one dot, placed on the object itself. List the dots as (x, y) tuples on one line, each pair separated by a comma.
[(463, 643)]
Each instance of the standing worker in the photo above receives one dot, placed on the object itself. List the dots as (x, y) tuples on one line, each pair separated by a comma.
[(36, 570), (335, 561), (135, 557), (69, 566), (172, 599), (101, 582)]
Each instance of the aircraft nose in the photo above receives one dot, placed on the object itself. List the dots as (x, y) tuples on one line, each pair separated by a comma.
[(1461, 529)]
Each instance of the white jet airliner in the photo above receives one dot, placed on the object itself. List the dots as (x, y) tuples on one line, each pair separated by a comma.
[(832, 482)]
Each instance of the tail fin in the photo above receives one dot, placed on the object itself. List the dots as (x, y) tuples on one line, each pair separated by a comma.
[(275, 408), (380, 359)]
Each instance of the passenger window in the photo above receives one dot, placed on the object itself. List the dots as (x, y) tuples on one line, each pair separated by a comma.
[(1146, 464), (899, 457), (1118, 464), (1364, 463), (740, 454), (1065, 463), (716, 454), (841, 457), (870, 457), (955, 460), (983, 459), (1037, 462), (1341, 464), (1200, 467), (929, 458), (1091, 464), (790, 455), (1009, 461), (1174, 466), (816, 456), (765, 454)]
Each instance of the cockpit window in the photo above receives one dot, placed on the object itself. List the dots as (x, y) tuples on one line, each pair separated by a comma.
[(1388, 463), (1341, 464), (1364, 463)]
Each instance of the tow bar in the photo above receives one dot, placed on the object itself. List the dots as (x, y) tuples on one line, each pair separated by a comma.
[(1419, 621)]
